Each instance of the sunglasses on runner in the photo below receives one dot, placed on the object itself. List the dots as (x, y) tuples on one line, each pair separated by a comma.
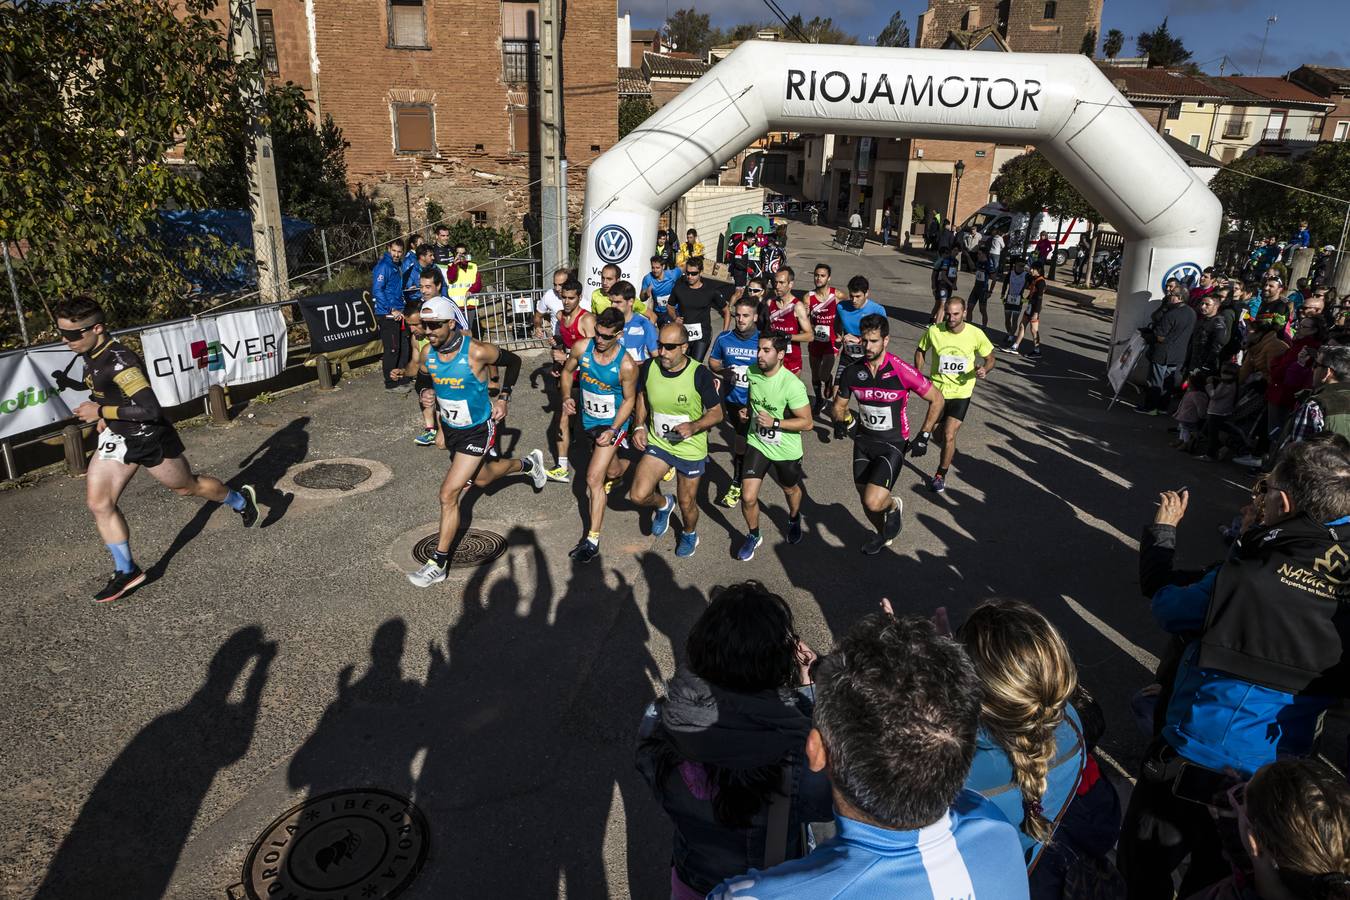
[(664, 346), (604, 336), (434, 326), (754, 291), (74, 334)]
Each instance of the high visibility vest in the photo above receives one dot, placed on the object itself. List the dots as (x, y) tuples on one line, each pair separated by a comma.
[(458, 290)]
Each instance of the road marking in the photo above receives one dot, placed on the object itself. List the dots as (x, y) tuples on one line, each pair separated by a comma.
[(1111, 761), (1141, 656)]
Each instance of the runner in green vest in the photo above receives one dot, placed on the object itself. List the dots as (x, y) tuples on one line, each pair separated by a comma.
[(677, 403), (778, 411)]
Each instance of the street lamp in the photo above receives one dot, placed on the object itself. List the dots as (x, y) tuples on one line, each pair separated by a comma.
[(960, 170)]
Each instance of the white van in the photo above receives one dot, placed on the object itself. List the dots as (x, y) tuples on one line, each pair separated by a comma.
[(996, 216)]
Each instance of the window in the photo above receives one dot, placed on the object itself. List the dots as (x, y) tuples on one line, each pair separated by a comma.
[(520, 42), (267, 42), (1167, 131), (1342, 131), (414, 129), (1050, 9), (1275, 125), (524, 132), (1174, 111), (408, 25), (1229, 154), (479, 217), (1195, 140)]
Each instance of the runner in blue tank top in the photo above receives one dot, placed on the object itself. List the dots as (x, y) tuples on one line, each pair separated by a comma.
[(608, 379), (734, 353), (458, 366)]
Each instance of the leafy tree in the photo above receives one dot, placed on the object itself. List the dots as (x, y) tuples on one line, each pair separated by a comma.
[(819, 31), (1162, 47), (633, 111), (896, 32), (1115, 40), (1029, 183), (1274, 209), (311, 169), (98, 96), (689, 31), (1089, 46)]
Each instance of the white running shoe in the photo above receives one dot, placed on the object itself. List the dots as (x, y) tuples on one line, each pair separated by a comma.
[(538, 473), (428, 575)]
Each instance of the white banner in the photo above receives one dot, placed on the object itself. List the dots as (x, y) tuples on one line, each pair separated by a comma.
[(1119, 372), (252, 345), (623, 239), (923, 90), (181, 359)]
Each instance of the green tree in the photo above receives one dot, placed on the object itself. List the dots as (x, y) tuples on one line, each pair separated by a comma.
[(633, 111), (896, 32), (1089, 46), (1115, 40), (819, 31), (1029, 183), (1269, 208), (97, 97), (1249, 202), (1162, 47), (689, 31), (310, 165)]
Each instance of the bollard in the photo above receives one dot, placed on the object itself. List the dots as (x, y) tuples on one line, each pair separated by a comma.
[(72, 440), (325, 373), (11, 468), (218, 405)]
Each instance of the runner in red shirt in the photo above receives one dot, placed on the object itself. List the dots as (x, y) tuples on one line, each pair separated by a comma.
[(574, 324), (821, 306), (787, 315)]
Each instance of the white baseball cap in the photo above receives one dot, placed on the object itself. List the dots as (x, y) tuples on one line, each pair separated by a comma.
[(439, 309)]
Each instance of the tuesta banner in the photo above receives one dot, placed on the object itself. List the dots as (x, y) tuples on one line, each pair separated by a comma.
[(339, 320), (185, 358)]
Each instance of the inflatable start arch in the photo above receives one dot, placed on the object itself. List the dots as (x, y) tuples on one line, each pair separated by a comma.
[(1061, 103)]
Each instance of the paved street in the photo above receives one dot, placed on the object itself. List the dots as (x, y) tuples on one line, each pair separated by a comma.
[(161, 735)]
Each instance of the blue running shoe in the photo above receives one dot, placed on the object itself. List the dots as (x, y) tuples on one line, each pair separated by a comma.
[(747, 551), (794, 532), (688, 544), (661, 520)]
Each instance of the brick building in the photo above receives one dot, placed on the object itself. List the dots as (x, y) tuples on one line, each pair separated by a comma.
[(1332, 85), (1025, 26), (442, 93)]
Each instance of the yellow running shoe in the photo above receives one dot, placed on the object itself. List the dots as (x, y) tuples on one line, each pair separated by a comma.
[(670, 473)]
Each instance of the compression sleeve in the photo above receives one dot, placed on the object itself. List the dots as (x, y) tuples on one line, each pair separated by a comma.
[(141, 403), (512, 364)]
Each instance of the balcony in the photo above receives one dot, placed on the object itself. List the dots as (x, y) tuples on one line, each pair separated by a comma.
[(1237, 129), (1274, 134)]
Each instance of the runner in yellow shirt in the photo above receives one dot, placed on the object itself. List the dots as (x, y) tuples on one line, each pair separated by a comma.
[(961, 355)]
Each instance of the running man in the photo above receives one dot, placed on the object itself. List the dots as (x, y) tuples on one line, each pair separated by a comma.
[(639, 334), (1031, 313), (787, 315), (821, 305), (458, 366), (732, 357), (1013, 288), (779, 412), (133, 431), (962, 355), (608, 379), (882, 384), (979, 294), (412, 316), (945, 271), (692, 301), (575, 324), (676, 407)]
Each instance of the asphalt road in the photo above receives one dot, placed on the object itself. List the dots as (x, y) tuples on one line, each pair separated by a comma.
[(149, 742)]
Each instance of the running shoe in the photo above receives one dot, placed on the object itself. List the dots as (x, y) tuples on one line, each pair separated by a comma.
[(731, 497), (1012, 348), (687, 545), (874, 545), (794, 532), (426, 438), (1034, 352), (431, 573), (938, 484), (1248, 460), (559, 473), (890, 529), (121, 584), (249, 514), (661, 520), (670, 473), (609, 485), (538, 473), (747, 551), (585, 551)]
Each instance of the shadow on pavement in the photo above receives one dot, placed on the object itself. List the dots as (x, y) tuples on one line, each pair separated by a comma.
[(128, 837)]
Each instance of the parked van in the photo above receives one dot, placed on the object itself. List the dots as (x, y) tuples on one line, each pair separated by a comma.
[(1023, 229)]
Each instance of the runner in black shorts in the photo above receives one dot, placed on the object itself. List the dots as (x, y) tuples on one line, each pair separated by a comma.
[(1031, 312), (132, 432), (881, 383)]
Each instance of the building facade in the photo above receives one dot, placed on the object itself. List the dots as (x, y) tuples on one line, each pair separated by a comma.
[(1332, 85)]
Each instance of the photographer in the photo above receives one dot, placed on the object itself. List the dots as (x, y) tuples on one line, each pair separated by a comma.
[(1263, 659)]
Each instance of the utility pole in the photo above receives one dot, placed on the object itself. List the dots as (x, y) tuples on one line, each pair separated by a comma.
[(269, 242), (552, 165)]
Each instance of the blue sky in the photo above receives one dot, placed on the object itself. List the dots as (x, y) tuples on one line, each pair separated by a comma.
[(1307, 31)]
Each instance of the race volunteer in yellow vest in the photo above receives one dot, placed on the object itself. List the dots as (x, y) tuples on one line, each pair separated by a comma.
[(463, 284)]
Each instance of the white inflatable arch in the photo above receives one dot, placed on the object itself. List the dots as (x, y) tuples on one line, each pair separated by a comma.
[(1061, 103)]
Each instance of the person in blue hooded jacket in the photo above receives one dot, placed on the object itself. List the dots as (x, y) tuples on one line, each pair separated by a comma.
[(386, 293)]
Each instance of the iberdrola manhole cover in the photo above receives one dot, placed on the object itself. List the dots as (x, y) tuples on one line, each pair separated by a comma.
[(367, 844), (475, 548), (327, 476)]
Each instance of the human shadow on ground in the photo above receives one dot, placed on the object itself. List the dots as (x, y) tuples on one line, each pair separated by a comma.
[(263, 468), (135, 822)]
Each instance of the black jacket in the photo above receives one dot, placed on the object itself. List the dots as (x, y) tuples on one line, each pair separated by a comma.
[(1172, 323), (1208, 339)]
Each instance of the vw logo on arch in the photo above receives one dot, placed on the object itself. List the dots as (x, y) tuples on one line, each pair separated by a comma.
[(612, 243), (1188, 273)]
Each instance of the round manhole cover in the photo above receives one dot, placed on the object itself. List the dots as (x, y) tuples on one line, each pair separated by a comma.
[(327, 476), (348, 844), (476, 547)]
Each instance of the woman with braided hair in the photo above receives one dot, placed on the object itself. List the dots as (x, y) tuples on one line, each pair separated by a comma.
[(1294, 821), (1030, 751)]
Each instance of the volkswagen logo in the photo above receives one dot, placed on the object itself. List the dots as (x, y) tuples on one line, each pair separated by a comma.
[(1188, 273), (612, 243)]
